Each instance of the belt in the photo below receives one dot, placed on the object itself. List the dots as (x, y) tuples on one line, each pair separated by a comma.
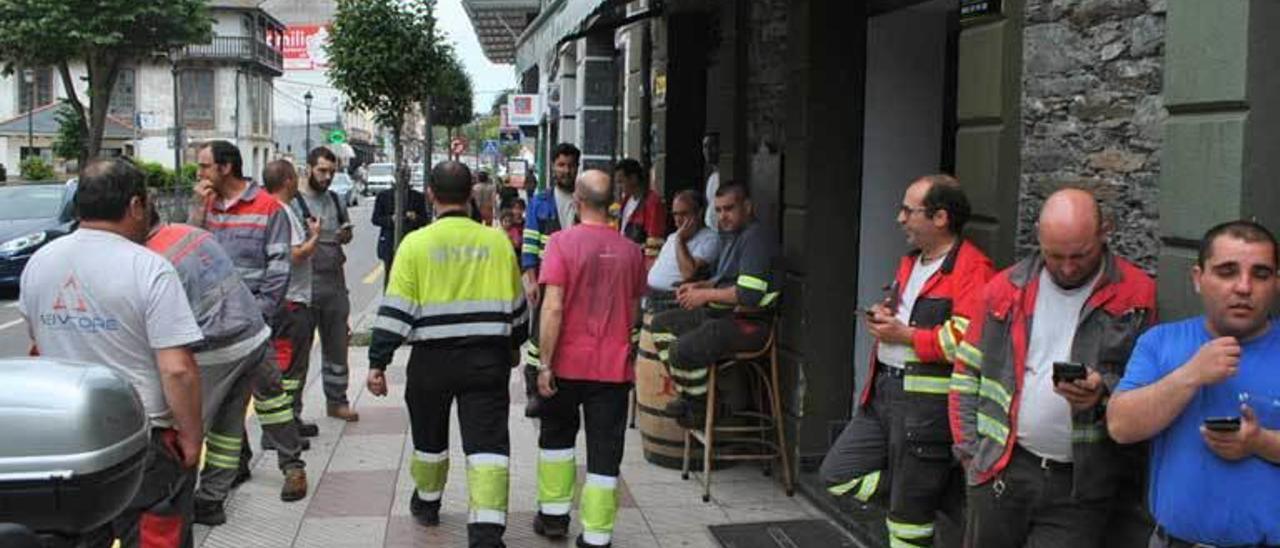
[(1174, 542), (1044, 463), (886, 369)]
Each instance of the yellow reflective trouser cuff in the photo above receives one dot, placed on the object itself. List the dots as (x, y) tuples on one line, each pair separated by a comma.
[(919, 534), (429, 471), (599, 504), (226, 462), (278, 417), (895, 542), (926, 385), (223, 443), (699, 390), (556, 476), (291, 385), (690, 374), (865, 485), (487, 478)]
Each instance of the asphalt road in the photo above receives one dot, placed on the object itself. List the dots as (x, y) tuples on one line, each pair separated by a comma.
[(364, 280)]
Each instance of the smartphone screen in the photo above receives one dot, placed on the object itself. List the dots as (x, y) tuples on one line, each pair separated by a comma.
[(1222, 424), (1068, 371)]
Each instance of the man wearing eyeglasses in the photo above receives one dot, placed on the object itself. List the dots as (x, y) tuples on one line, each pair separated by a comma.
[(899, 444), (687, 254)]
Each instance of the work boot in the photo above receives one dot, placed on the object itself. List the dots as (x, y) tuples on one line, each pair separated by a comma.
[(533, 403), (307, 429), (582, 543), (209, 512), (343, 411), (295, 485), (426, 513), (242, 475), (552, 527), (268, 445), (688, 412)]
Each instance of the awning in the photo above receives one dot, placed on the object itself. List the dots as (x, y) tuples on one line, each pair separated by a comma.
[(559, 19), (498, 23)]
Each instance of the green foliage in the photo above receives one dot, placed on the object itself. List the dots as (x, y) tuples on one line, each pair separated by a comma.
[(70, 141), (451, 95), (382, 54), (188, 175), (34, 168), (500, 101), (156, 175)]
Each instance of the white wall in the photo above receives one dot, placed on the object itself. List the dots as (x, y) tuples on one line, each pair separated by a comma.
[(906, 61)]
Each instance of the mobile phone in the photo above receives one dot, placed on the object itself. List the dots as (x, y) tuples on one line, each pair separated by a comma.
[(1223, 424), (866, 310), (1068, 371)]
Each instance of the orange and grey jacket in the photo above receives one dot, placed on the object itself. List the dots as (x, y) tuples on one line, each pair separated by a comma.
[(991, 364)]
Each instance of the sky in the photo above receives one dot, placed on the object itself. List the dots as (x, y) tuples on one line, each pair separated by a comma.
[(487, 78)]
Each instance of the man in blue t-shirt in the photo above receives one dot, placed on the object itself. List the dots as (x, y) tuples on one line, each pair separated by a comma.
[(1206, 391)]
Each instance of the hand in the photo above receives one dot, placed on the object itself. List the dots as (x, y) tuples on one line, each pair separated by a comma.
[(546, 383), (692, 298), (1235, 445), (1215, 361), (1082, 394), (532, 293), (687, 229), (377, 382), (313, 227), (344, 234), (185, 446), (204, 189), (887, 328), (411, 215)]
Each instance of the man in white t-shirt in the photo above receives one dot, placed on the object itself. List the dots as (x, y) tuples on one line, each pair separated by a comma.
[(296, 332), (133, 317), (687, 253), (711, 155)]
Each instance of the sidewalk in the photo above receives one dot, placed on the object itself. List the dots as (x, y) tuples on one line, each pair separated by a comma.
[(360, 486)]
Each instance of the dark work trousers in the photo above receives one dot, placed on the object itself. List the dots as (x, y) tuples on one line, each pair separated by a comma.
[(263, 381), (897, 448), (160, 514), (331, 311), (691, 341), (532, 357), (477, 377), (293, 339), (1030, 505)]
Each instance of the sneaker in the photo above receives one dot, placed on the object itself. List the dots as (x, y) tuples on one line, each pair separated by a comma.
[(308, 429), (209, 512), (426, 513), (342, 411), (551, 526), (582, 543), (268, 445), (295, 485), (242, 475)]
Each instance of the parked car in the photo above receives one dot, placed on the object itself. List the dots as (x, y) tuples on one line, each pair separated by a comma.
[(417, 180), (31, 216), (346, 189), (380, 178)]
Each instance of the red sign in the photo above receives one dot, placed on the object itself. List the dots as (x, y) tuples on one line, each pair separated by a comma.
[(304, 45)]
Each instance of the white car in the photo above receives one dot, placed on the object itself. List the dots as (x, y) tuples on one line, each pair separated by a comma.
[(381, 177)]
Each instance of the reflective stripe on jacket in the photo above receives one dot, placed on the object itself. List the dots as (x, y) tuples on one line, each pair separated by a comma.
[(541, 220), (991, 364)]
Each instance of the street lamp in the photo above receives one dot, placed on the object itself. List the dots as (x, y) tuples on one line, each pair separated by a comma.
[(307, 99), (29, 76)]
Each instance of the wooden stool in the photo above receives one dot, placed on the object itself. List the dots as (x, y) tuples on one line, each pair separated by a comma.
[(769, 450)]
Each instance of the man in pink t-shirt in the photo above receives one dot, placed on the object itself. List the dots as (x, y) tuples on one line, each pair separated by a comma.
[(594, 277)]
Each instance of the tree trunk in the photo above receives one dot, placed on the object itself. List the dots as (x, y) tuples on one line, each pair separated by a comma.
[(73, 99), (402, 184)]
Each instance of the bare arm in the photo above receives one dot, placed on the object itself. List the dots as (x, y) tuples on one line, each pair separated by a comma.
[(300, 253), (180, 380), (549, 328), (1268, 447), (1140, 414), (689, 265)]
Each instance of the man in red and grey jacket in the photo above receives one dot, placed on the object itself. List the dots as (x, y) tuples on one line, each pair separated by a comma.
[(898, 444), (1042, 470)]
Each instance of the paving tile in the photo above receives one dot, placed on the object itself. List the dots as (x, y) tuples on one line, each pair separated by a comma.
[(691, 539), (404, 532), (353, 494), (345, 532), (745, 492), (744, 513), (380, 420), (683, 519), (647, 495), (365, 453), (257, 517)]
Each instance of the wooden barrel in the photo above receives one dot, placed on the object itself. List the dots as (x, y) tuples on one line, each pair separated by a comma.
[(661, 438)]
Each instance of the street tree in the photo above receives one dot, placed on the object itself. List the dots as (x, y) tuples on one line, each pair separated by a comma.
[(69, 142), (103, 35), (381, 56), (451, 94)]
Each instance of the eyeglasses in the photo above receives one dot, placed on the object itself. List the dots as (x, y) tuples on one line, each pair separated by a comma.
[(908, 210)]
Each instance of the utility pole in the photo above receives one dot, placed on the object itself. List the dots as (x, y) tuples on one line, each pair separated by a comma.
[(177, 115), (307, 99), (29, 75)]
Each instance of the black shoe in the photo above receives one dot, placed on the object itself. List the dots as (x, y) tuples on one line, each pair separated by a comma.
[(426, 513), (692, 412), (308, 429), (551, 526), (582, 543), (242, 475), (268, 445), (209, 512)]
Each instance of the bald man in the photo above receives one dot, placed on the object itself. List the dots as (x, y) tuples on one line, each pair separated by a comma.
[(593, 278), (1028, 398)]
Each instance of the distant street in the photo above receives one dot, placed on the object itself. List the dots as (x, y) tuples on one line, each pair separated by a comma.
[(364, 278)]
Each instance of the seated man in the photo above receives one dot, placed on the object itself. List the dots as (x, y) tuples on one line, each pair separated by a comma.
[(689, 252), (728, 314)]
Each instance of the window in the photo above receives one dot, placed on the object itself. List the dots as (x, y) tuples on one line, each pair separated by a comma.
[(43, 88), (124, 98), (197, 98)]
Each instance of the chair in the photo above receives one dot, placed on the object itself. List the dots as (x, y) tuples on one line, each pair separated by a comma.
[(708, 436)]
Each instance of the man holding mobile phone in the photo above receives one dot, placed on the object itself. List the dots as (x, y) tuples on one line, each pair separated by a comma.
[(1214, 474), (899, 443), (1041, 469), (330, 306)]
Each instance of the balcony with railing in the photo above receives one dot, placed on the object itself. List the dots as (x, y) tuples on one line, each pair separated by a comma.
[(242, 49)]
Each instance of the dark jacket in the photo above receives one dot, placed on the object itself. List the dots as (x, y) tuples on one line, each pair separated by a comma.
[(991, 365), (384, 217)]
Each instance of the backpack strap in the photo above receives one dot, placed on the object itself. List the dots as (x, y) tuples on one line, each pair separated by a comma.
[(342, 211), (302, 205)]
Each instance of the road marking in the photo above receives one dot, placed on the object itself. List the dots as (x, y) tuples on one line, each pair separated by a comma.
[(13, 304), (4, 326), (374, 274)]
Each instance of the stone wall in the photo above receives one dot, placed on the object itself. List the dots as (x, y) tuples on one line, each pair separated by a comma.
[(766, 74), (1092, 113)]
